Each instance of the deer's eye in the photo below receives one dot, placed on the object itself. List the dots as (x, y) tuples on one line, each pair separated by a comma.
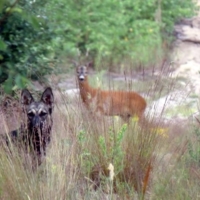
[(31, 114), (42, 113)]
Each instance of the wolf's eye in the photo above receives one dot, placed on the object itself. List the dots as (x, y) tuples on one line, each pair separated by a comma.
[(42, 113), (31, 114)]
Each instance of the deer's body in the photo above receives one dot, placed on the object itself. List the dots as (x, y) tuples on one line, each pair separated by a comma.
[(122, 103)]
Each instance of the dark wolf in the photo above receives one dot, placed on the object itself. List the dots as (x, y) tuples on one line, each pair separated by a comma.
[(35, 134)]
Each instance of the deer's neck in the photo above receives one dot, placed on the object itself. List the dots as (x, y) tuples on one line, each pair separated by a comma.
[(86, 91)]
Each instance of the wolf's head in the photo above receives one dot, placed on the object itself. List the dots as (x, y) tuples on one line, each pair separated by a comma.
[(38, 112)]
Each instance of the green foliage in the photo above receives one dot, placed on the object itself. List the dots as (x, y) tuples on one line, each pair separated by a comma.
[(25, 47), (112, 149), (115, 31), (173, 10), (110, 32), (109, 149)]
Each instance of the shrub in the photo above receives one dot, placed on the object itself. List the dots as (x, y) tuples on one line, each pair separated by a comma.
[(113, 32), (24, 47)]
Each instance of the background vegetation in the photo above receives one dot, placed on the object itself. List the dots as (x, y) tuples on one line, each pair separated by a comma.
[(36, 35)]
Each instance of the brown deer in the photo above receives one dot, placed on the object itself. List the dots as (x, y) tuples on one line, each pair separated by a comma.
[(125, 104)]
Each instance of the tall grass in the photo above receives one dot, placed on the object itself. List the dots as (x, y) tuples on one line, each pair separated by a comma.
[(150, 161)]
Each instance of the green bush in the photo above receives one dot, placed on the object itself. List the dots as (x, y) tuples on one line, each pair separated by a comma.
[(25, 48), (116, 31), (174, 10), (112, 33)]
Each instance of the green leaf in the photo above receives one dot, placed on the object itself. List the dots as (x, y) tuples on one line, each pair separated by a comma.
[(7, 86), (15, 9), (2, 2), (20, 81), (35, 22), (3, 46)]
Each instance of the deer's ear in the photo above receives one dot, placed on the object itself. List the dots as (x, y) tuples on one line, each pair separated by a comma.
[(26, 97), (47, 97), (90, 64)]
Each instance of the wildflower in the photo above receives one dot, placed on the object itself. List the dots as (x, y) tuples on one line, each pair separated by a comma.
[(135, 118), (111, 171), (126, 39), (116, 117), (162, 132)]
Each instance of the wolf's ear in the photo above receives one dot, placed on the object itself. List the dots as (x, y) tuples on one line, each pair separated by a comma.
[(26, 97), (47, 97)]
